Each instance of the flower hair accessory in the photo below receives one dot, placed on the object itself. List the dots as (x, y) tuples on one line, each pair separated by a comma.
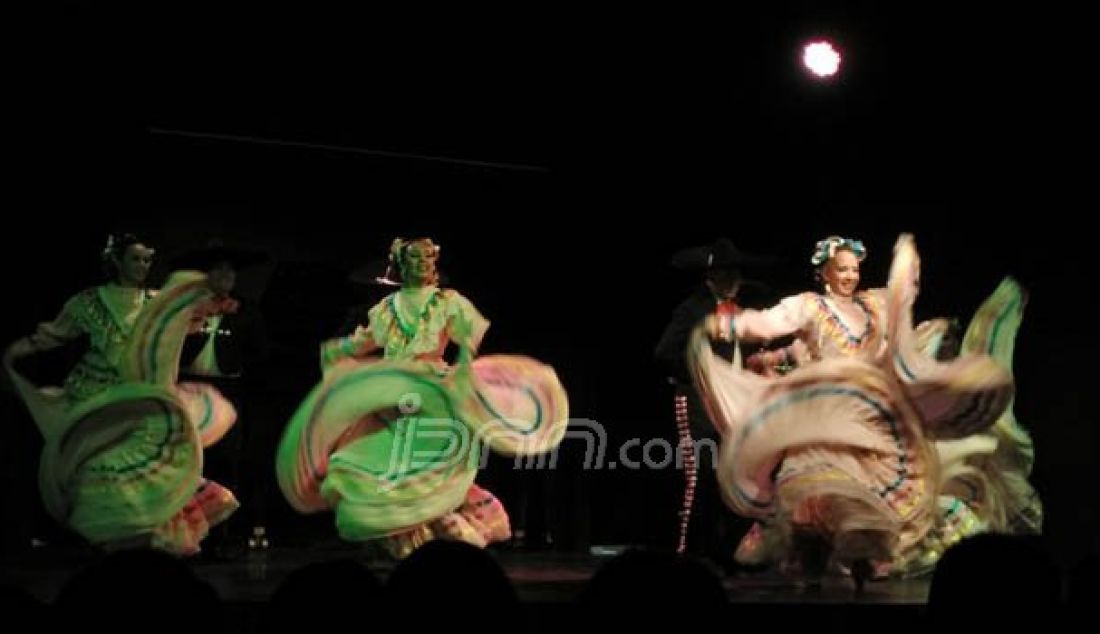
[(110, 248), (395, 249), (399, 245), (826, 249)]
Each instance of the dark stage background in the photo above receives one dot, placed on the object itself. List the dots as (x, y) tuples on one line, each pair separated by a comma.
[(587, 149)]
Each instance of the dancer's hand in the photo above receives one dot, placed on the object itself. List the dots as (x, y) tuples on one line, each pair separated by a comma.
[(11, 353), (719, 327), (465, 355), (17, 350), (759, 363), (710, 324)]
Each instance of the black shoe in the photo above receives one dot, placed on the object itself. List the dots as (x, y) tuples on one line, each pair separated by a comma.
[(861, 572), (224, 549), (721, 562), (813, 553)]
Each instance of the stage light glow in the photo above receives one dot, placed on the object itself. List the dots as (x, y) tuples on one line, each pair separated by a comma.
[(821, 58)]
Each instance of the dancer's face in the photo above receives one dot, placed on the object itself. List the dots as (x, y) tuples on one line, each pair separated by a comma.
[(842, 273), (726, 283), (134, 265), (420, 259), (222, 278)]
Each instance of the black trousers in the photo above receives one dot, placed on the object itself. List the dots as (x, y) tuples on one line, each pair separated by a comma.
[(713, 530), (244, 459)]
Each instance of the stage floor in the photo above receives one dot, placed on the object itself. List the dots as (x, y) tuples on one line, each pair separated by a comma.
[(538, 576)]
